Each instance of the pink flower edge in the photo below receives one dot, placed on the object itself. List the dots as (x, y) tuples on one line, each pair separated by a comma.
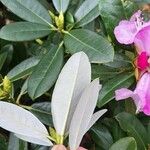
[(140, 95)]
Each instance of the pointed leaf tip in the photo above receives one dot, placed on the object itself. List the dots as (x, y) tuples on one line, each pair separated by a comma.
[(74, 77), (23, 123), (85, 109)]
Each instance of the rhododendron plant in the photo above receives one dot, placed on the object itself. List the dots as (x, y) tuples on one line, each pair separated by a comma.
[(83, 97), (64, 67)]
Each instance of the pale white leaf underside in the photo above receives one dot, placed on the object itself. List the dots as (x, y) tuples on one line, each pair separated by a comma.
[(83, 114), (74, 77), (20, 121), (95, 117)]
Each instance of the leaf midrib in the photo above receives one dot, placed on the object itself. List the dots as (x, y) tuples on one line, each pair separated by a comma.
[(84, 43), (72, 94), (133, 130), (80, 121), (27, 31), (35, 14), (45, 74), (83, 17)]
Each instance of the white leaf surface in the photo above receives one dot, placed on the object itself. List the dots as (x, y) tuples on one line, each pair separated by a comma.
[(74, 77), (41, 141), (20, 121), (83, 114), (95, 117)]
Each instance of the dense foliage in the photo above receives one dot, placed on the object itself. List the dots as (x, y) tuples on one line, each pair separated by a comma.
[(37, 38)]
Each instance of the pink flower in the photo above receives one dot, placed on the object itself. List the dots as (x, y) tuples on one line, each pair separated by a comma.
[(142, 61), (141, 94), (81, 148), (59, 147), (134, 31)]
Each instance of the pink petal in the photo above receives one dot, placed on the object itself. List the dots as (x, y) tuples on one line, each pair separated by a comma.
[(146, 110), (142, 90), (123, 94), (136, 15), (125, 32), (81, 148), (142, 61), (59, 147), (142, 40)]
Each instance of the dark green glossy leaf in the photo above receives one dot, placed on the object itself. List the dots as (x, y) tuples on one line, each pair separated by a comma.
[(23, 31), (87, 12), (134, 128), (3, 57), (6, 55), (120, 61), (130, 7), (127, 143), (30, 10), (114, 128), (98, 50), (104, 72), (23, 69), (107, 93), (43, 112), (111, 12), (16, 144), (46, 72), (38, 147), (45, 3), (3, 143), (39, 50), (61, 5), (102, 136)]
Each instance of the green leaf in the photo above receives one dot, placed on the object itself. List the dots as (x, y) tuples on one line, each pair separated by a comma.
[(120, 61), (130, 7), (148, 132), (87, 12), (142, 1), (102, 136), (104, 72), (134, 128), (114, 128), (38, 147), (3, 57), (30, 10), (107, 93), (46, 72), (23, 31), (111, 12), (61, 5), (16, 144), (24, 87), (45, 3), (98, 50), (3, 143), (127, 143), (6, 55), (43, 112), (23, 69)]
